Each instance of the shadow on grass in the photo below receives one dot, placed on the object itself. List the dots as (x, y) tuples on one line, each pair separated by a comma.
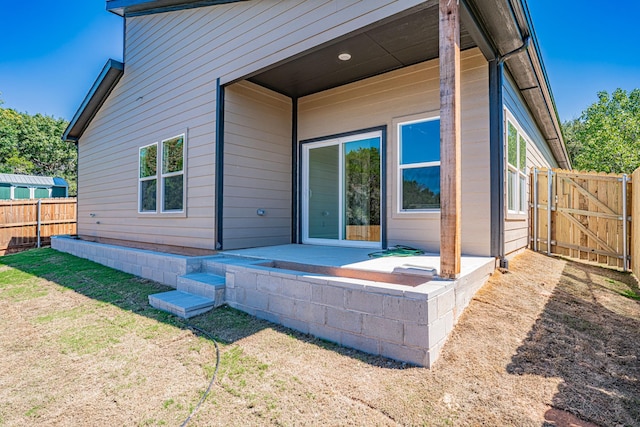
[(589, 336), (130, 293)]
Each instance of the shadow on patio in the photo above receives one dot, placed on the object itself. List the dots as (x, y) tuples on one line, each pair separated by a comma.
[(588, 335)]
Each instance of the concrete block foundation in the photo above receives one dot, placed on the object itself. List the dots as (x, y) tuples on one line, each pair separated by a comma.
[(406, 323)]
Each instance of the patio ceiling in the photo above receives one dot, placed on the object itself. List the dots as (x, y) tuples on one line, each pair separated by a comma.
[(402, 40)]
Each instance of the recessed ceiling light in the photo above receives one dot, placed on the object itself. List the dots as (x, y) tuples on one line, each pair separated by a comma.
[(344, 56)]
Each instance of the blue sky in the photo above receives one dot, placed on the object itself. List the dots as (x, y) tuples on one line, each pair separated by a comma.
[(587, 46), (52, 51)]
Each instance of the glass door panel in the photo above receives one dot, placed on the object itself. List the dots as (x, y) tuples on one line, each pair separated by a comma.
[(341, 191), (362, 190), (324, 199)]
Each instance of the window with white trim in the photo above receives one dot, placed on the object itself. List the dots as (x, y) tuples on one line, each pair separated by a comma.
[(173, 174), (419, 165), (516, 147), (148, 178), (161, 179)]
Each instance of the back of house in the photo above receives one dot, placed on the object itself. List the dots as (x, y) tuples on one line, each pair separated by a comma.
[(335, 128), (235, 124)]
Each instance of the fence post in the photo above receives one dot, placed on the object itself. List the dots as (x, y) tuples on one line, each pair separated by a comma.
[(635, 222), (625, 243), (38, 214), (549, 191)]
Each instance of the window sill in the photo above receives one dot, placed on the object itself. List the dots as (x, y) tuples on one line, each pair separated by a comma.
[(516, 216), (434, 214), (162, 215)]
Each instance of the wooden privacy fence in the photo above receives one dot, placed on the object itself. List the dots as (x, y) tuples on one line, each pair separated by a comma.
[(31, 223), (582, 215)]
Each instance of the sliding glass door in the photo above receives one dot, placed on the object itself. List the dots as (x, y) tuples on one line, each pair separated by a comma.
[(341, 190)]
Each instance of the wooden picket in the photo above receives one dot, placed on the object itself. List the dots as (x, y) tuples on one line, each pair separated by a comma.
[(582, 215), (19, 222)]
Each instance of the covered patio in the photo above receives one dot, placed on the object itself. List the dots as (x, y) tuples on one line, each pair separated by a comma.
[(249, 176)]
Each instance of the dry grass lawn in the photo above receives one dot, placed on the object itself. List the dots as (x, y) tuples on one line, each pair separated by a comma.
[(552, 342)]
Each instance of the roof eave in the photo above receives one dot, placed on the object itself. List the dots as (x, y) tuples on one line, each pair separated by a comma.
[(145, 7), (508, 24), (557, 144), (98, 94)]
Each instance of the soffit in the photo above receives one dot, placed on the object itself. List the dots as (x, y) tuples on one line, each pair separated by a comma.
[(405, 39)]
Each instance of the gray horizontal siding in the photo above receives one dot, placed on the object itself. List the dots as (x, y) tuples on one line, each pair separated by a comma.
[(257, 167), (517, 106), (517, 228)]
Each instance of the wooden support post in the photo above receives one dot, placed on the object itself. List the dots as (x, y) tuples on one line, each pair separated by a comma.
[(450, 197)]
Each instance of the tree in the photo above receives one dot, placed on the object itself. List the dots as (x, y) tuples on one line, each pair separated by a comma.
[(363, 186), (33, 145), (574, 146), (606, 137)]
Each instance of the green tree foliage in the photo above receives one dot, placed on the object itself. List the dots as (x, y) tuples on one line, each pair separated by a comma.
[(416, 196), (172, 162), (606, 137), (33, 145), (363, 186)]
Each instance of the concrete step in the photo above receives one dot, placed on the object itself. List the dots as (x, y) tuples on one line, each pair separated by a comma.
[(217, 264), (181, 304), (203, 284)]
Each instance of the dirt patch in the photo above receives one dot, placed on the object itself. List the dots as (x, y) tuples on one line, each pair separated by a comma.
[(551, 342)]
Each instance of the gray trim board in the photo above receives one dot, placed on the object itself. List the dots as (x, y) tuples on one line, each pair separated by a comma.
[(124, 40), (219, 173), (383, 188), (98, 94), (496, 157), (294, 170)]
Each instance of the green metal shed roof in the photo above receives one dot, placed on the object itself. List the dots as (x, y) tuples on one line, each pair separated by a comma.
[(32, 180)]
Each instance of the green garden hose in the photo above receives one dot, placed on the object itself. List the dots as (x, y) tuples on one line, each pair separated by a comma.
[(215, 372), (398, 250)]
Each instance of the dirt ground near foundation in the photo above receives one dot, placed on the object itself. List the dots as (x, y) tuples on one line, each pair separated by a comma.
[(551, 342)]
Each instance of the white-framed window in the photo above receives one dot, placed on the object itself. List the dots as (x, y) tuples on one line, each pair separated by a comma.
[(172, 174), (419, 165), (148, 178), (161, 178), (516, 153)]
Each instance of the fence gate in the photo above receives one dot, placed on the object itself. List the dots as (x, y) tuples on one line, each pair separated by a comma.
[(582, 215)]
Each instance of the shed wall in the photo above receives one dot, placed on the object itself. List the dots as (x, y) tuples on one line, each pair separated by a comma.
[(407, 94)]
